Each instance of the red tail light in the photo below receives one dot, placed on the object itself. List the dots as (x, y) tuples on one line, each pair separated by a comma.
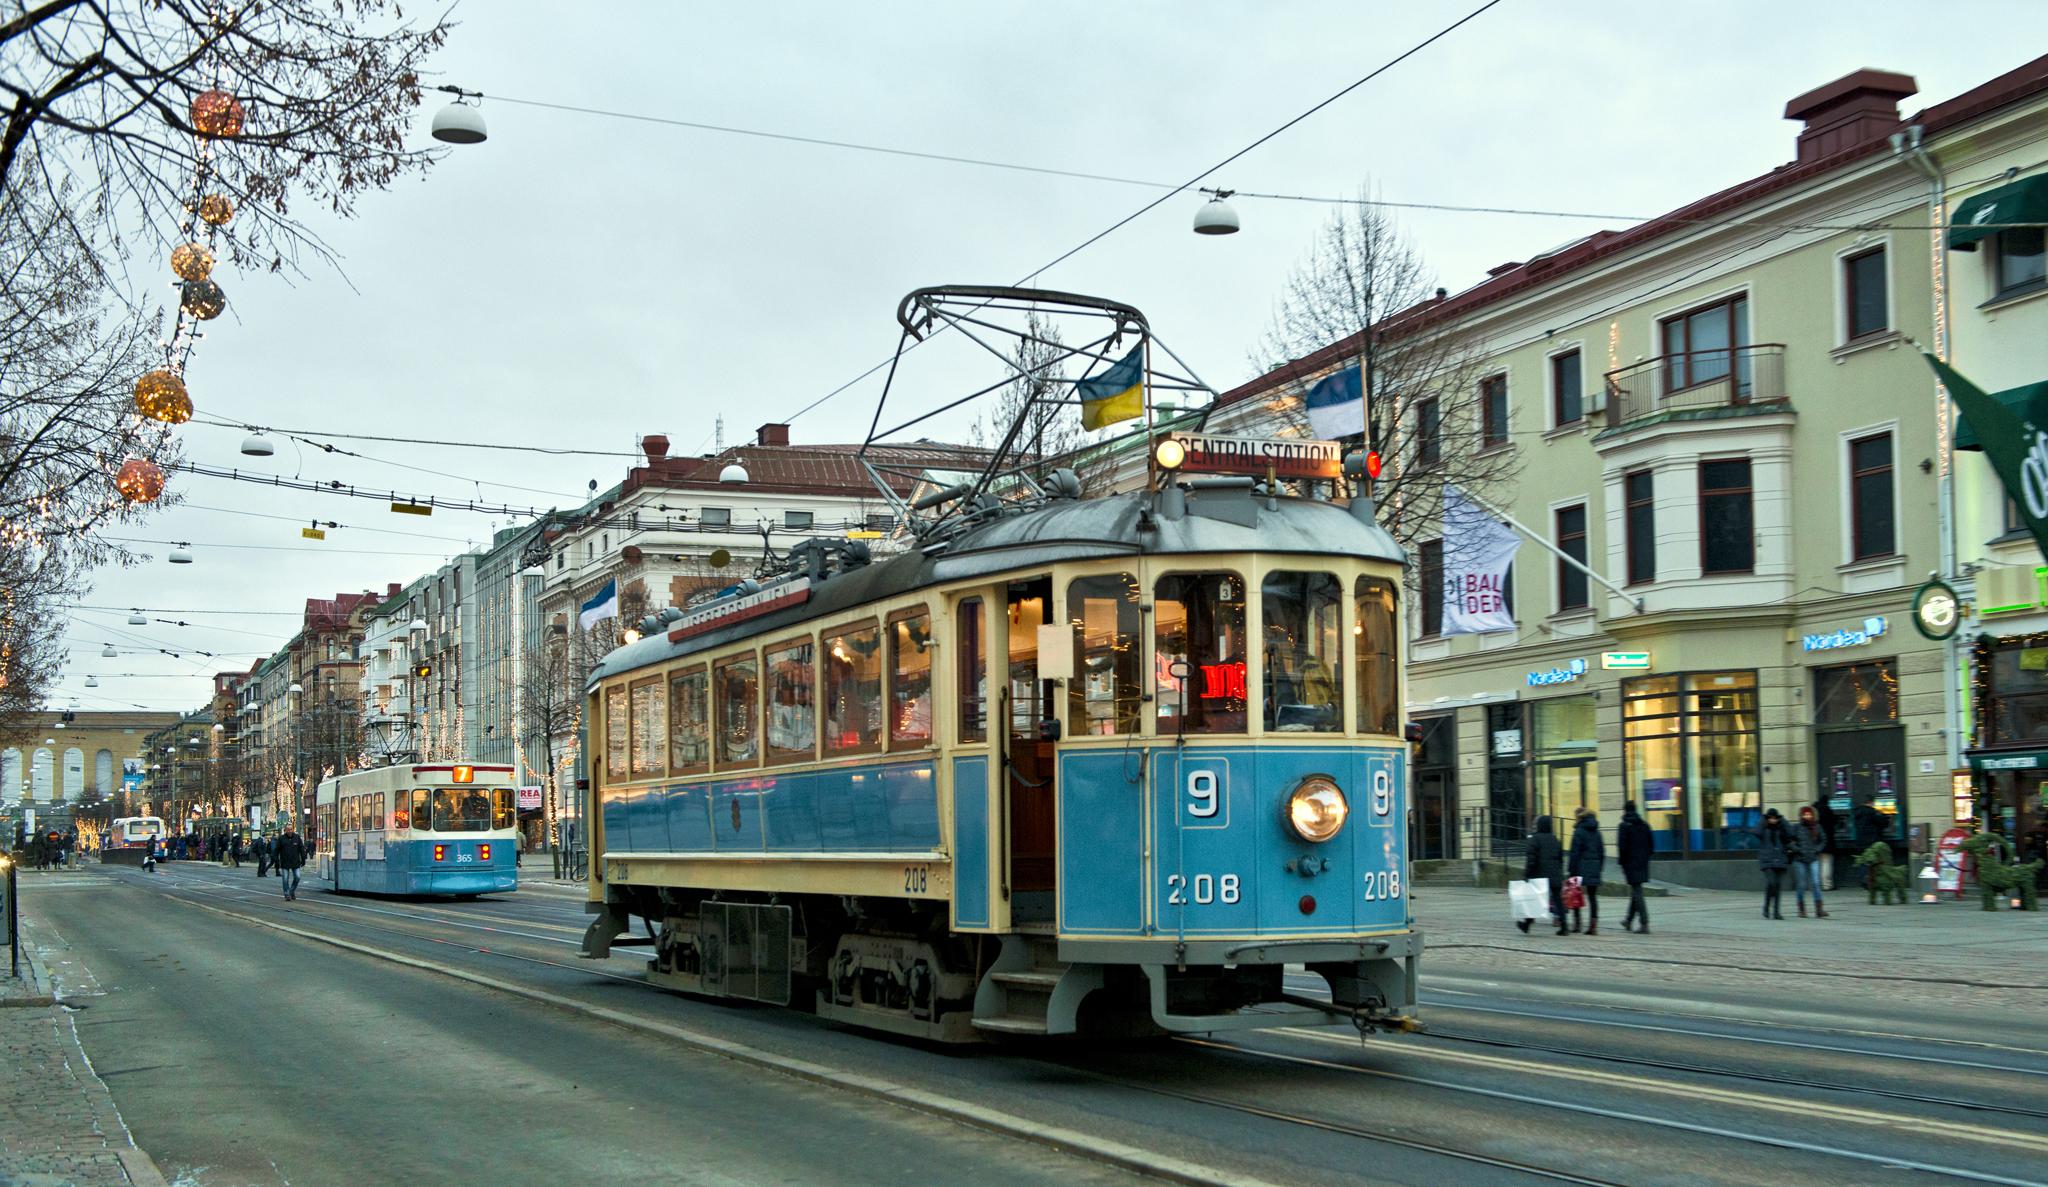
[(483, 852), (440, 853)]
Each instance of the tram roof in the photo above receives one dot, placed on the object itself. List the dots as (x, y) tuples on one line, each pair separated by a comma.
[(1227, 520)]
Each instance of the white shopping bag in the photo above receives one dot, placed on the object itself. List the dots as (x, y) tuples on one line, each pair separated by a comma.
[(1530, 899)]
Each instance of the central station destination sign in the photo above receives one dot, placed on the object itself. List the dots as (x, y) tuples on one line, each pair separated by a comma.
[(1201, 454)]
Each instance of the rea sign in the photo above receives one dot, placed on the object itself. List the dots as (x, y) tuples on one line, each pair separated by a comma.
[(529, 797)]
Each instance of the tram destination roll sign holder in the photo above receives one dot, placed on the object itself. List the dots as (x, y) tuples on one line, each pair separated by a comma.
[(1198, 453)]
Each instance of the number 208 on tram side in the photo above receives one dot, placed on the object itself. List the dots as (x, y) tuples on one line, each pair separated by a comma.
[(416, 829), (1086, 764)]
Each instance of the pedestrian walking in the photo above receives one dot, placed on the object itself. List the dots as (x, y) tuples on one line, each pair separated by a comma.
[(1588, 859), (1546, 860), (1808, 844), (235, 849), (1773, 843), (260, 847), (149, 855), (1635, 843), (291, 854)]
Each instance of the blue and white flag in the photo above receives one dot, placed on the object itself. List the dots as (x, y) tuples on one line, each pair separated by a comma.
[(597, 609), (1336, 405)]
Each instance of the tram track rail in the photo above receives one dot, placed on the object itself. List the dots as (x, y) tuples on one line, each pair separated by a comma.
[(224, 899)]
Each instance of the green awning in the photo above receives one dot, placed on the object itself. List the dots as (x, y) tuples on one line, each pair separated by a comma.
[(2009, 760), (2022, 201), (2029, 402)]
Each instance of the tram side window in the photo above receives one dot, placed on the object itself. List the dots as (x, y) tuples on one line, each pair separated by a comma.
[(739, 689), (792, 722), (401, 811), (649, 730), (689, 722), (973, 673), (422, 808), (1104, 695), (501, 808), (616, 732), (910, 681), (1198, 621), (1303, 662), (352, 819), (373, 813), (853, 690), (1379, 667)]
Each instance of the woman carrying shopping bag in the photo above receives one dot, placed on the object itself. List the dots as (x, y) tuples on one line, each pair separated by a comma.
[(1546, 860)]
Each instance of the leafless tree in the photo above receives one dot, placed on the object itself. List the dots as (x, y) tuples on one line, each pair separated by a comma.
[(548, 694), (1364, 295)]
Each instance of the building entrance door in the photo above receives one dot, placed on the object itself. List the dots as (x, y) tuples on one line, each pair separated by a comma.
[(1863, 778), (1433, 831)]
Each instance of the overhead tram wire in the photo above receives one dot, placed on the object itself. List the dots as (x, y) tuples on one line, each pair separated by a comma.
[(1183, 187), (324, 447)]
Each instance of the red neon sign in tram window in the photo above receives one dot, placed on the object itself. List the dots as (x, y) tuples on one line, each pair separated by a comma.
[(1223, 681)]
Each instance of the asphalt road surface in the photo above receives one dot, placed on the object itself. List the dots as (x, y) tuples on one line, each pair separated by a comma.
[(243, 1054)]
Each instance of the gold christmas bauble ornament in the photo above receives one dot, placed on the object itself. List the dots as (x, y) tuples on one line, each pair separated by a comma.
[(203, 299), (216, 115), (140, 480), (216, 210), (160, 395), (192, 261)]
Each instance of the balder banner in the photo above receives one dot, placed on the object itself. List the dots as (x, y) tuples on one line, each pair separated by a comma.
[(1478, 551)]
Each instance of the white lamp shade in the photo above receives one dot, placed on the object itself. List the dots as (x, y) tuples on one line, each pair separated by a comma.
[(417, 624), (92, 681), (459, 123), (180, 557), (295, 687), (1216, 217), (258, 445), (108, 651), (733, 474), (136, 619)]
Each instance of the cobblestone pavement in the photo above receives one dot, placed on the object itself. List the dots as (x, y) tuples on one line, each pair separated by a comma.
[(58, 1125)]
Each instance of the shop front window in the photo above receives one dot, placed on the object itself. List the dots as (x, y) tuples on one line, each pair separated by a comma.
[(1304, 624), (1691, 749), (1103, 697), (2014, 702), (1198, 633)]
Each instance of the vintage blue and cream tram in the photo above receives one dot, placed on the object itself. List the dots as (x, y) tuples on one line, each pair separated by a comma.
[(1078, 765), (418, 829)]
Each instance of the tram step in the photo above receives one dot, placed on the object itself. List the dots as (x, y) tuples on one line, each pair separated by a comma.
[(1032, 980), (1010, 1024)]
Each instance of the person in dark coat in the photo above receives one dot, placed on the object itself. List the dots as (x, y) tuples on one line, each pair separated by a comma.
[(291, 855), (1546, 860), (1830, 828), (260, 849), (1635, 843), (1588, 859), (1773, 844), (1808, 842)]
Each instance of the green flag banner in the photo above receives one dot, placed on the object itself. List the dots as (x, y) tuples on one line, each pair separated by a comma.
[(2015, 437)]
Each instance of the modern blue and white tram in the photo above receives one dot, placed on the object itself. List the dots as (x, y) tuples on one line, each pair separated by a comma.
[(441, 828)]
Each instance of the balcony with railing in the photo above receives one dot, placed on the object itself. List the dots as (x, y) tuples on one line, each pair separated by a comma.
[(1698, 385)]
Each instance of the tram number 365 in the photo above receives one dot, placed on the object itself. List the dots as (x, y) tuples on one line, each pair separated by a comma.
[(1205, 889)]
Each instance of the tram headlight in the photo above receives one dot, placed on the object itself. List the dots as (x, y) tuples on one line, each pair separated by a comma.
[(1317, 809)]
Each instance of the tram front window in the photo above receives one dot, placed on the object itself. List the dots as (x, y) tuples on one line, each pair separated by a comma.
[(1304, 655), (1199, 629), (462, 810)]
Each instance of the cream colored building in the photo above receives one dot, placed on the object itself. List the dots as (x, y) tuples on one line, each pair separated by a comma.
[(1724, 413)]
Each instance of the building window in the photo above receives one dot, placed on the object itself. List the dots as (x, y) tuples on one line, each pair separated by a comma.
[(1639, 497), (1493, 410), (2013, 522), (881, 521), (2013, 705), (1872, 530), (1863, 294), (1429, 439), (715, 517), (1858, 694), (796, 519), (1692, 756), (2021, 262), (1567, 389), (1430, 588), (1697, 346), (1571, 540), (1727, 521)]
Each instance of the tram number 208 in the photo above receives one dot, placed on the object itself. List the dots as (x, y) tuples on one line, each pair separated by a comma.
[(1203, 889)]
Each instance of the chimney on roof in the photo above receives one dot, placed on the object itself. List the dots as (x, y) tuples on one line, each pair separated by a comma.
[(655, 446), (772, 434), (1849, 111), (391, 590)]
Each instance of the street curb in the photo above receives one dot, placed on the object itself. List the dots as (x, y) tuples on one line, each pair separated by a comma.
[(37, 978), (141, 1168), (1068, 1141)]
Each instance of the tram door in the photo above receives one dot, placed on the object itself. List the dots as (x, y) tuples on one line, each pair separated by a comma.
[(1030, 720)]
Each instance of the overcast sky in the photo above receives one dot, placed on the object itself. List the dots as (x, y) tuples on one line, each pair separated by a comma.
[(579, 281)]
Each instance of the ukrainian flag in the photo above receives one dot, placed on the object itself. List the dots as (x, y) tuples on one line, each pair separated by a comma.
[(1116, 394)]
